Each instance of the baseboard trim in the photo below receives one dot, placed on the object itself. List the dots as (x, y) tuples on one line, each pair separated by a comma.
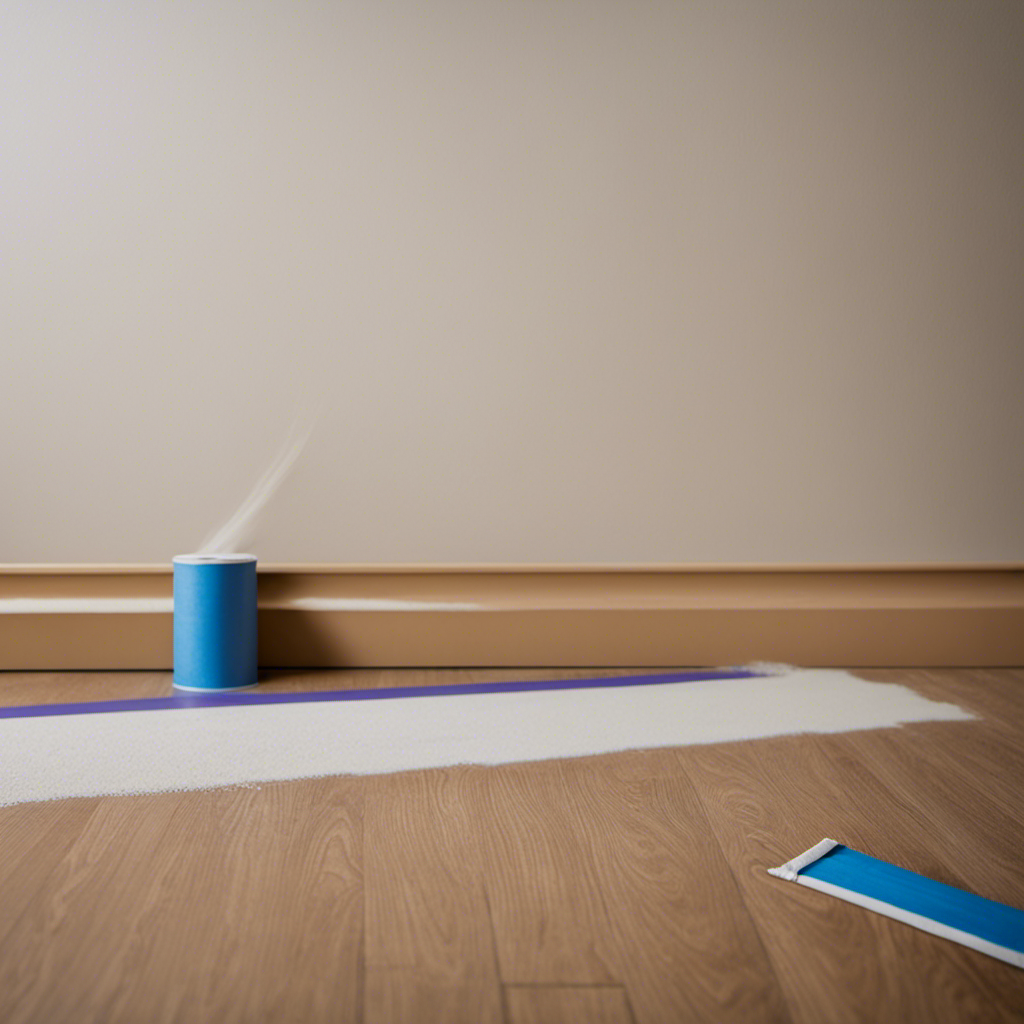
[(77, 617)]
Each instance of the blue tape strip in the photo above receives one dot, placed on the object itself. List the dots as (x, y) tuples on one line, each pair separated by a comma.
[(213, 700), (857, 872)]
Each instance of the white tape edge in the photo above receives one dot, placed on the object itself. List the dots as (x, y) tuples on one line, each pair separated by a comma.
[(78, 605), (769, 668), (212, 558), (151, 605), (367, 604), (925, 924), (792, 868), (215, 691)]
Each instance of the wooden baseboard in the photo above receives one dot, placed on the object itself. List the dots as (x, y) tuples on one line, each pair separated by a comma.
[(119, 616)]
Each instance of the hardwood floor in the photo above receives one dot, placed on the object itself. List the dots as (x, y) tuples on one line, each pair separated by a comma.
[(624, 888)]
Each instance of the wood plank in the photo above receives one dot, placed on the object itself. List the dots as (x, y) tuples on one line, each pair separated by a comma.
[(71, 951), (18, 689), (557, 1004), (770, 800), (993, 758), (268, 887), (990, 751), (311, 937), (682, 938), (429, 942), (551, 920), (596, 880), (232, 905), (34, 839), (966, 806)]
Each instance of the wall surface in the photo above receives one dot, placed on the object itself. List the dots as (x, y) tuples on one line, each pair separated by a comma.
[(610, 281)]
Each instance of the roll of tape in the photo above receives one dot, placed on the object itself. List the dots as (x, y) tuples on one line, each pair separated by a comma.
[(215, 622)]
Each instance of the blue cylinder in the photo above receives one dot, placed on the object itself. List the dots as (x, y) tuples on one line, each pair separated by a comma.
[(214, 622)]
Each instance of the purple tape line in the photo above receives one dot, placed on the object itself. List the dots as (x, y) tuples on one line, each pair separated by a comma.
[(222, 700)]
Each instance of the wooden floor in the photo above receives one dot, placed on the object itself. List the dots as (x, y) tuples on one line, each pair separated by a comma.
[(617, 888)]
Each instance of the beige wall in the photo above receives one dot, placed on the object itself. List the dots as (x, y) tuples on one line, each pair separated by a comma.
[(604, 281)]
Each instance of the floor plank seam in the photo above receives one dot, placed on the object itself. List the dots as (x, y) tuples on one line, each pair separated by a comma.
[(361, 950), (629, 1005), (765, 949), (506, 1014)]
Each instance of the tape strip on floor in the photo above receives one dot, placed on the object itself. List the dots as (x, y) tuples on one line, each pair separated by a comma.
[(227, 698), (984, 925)]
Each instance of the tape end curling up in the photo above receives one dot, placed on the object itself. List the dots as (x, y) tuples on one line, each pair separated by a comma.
[(792, 868)]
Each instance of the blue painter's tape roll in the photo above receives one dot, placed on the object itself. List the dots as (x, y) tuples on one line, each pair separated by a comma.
[(214, 622)]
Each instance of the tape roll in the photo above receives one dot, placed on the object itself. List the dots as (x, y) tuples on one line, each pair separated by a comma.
[(215, 622)]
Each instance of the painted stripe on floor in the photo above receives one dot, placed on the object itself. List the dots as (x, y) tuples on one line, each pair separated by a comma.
[(984, 925), (195, 698), (246, 740)]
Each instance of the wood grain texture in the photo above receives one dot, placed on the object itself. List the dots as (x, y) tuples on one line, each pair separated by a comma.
[(34, 839), (669, 891), (21, 688), (168, 907), (429, 944), (585, 871), (72, 952), (551, 919), (554, 1004), (968, 814), (625, 887), (769, 801)]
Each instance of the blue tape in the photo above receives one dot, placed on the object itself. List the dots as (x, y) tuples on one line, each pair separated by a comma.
[(184, 699), (215, 615), (995, 922)]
